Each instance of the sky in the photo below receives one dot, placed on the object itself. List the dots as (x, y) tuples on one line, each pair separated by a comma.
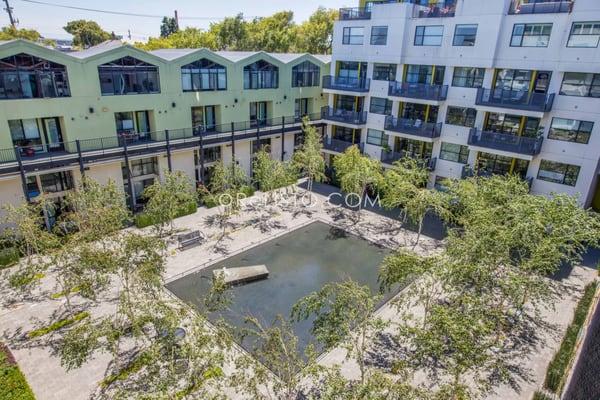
[(49, 20)]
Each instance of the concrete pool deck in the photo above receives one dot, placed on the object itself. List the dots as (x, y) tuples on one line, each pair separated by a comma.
[(258, 224)]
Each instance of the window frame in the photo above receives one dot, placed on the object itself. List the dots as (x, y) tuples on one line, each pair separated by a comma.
[(424, 35), (577, 132), (571, 34), (381, 141), (594, 83), (306, 74), (255, 75), (387, 107), (383, 65), (205, 70), (464, 118), (567, 174), (347, 37), (462, 35), (523, 34), (477, 82), (462, 155), (379, 35)]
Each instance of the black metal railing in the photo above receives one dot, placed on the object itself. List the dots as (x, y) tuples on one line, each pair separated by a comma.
[(506, 142), (390, 157), (346, 83), (339, 146), (413, 127), (345, 116), (540, 7), (516, 99), (355, 13), (418, 91)]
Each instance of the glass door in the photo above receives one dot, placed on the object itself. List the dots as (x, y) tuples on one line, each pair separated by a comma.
[(210, 118), (258, 112), (143, 124), (53, 134)]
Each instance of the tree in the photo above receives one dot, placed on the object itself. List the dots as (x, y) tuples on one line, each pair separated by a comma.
[(271, 174), (169, 199), (226, 185), (182, 39), (276, 33), (231, 33), (309, 159), (315, 35), (87, 33), (10, 32), (168, 27), (356, 173)]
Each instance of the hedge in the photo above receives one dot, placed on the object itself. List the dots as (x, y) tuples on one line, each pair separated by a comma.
[(13, 385), (143, 220), (58, 325), (8, 256), (540, 396), (557, 369)]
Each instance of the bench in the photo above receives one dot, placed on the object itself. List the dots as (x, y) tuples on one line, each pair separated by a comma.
[(189, 239)]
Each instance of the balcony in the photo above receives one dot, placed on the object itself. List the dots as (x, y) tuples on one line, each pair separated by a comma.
[(439, 9), (390, 157), (420, 91), (346, 84), (357, 13), (414, 127), (540, 7), (506, 142), (339, 146), (344, 116), (515, 99)]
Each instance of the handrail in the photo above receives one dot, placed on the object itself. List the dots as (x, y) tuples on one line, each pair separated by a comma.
[(538, 7), (506, 142), (346, 83), (418, 90), (354, 13), (518, 99), (347, 116), (413, 127)]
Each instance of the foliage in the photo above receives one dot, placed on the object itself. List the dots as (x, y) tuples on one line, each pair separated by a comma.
[(13, 385), (87, 33), (558, 367), (183, 38), (540, 396), (144, 220), (308, 158), (8, 256), (58, 325), (271, 174), (168, 27), (10, 32), (315, 35)]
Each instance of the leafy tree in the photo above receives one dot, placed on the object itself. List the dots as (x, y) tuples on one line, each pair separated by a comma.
[(315, 35), (309, 159), (231, 33), (226, 185), (182, 39), (271, 174), (10, 32), (275, 33), (168, 27), (87, 33)]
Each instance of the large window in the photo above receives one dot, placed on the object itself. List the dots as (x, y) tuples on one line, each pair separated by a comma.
[(468, 77), (454, 152), (556, 172), (353, 35), (531, 35), (377, 137), (429, 35), (380, 105), (305, 74), (261, 75), (36, 134), (57, 182), (461, 116), (203, 75), (465, 35), (23, 76), (25, 132), (425, 74), (584, 34), (513, 79), (570, 130), (379, 35), (509, 124), (128, 75), (144, 166), (580, 84), (384, 72)]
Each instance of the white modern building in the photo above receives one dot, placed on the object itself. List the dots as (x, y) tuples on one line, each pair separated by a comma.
[(472, 87)]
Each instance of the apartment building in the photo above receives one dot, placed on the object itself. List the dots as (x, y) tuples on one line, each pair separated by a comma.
[(472, 87), (116, 112)]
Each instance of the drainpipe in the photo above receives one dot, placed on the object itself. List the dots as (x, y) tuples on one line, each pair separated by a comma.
[(282, 137)]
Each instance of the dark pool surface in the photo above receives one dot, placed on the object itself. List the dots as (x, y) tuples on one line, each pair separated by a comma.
[(299, 262)]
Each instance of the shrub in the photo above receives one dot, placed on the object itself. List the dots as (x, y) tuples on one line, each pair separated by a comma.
[(58, 325), (143, 220), (557, 368), (8, 256), (247, 190), (210, 201), (13, 385), (540, 396)]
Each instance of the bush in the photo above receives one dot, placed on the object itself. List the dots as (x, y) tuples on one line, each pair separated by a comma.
[(58, 325), (143, 220), (210, 201), (540, 396), (8, 256), (13, 385), (557, 368), (247, 190)]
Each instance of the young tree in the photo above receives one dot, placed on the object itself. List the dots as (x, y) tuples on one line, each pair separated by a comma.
[(226, 185), (315, 35), (270, 174), (168, 26), (87, 33), (309, 159)]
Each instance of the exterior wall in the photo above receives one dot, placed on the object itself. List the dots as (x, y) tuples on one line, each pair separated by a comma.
[(492, 50)]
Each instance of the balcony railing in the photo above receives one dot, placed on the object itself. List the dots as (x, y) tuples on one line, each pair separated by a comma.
[(515, 99), (418, 91), (357, 13), (345, 116), (346, 84), (339, 146), (540, 7), (413, 127), (440, 9), (390, 157), (506, 142)]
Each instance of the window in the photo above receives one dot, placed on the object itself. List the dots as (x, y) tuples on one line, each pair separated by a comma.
[(429, 35), (128, 75), (531, 35), (468, 77), (454, 152), (570, 130), (461, 116), (377, 138), (464, 35), (425, 74), (584, 34), (305, 74), (57, 182), (25, 132), (509, 124), (384, 72), (301, 107), (380, 105), (353, 35), (556, 172), (203, 75), (209, 154), (580, 84), (144, 166), (379, 35), (261, 75), (23, 76)]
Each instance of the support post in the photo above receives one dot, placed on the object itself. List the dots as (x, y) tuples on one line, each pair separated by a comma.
[(201, 155), (282, 138), (81, 167), (232, 142), (22, 173), (168, 151), (128, 173)]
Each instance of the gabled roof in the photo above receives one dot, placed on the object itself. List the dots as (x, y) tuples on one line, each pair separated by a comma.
[(172, 54), (98, 49)]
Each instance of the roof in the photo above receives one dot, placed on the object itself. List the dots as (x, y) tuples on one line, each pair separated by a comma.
[(98, 49)]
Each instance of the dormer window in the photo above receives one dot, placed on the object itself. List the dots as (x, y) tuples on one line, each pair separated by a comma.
[(128, 75), (203, 75), (24, 76), (261, 75), (305, 74)]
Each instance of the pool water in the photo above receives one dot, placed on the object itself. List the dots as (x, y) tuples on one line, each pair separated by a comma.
[(299, 263)]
